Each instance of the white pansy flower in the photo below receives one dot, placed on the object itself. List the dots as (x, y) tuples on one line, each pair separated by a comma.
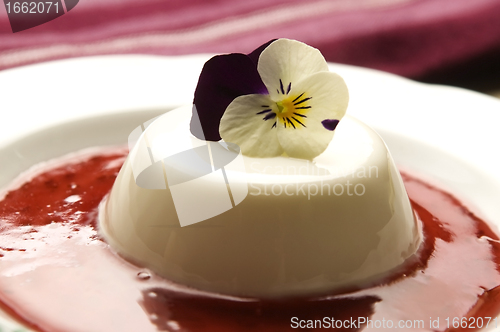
[(299, 114)]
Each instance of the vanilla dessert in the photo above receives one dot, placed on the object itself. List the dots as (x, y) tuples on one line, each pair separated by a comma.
[(246, 194), (303, 227), (276, 210)]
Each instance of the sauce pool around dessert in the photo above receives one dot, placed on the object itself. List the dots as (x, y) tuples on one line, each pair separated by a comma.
[(57, 273)]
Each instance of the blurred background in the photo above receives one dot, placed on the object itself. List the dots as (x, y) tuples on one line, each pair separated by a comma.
[(453, 42)]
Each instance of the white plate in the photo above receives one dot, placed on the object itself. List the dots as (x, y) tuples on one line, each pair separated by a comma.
[(449, 136)]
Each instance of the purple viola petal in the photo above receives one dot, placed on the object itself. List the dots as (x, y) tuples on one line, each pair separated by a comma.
[(330, 124), (256, 53), (223, 78)]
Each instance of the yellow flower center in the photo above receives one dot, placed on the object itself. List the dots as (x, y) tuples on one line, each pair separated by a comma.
[(292, 111), (285, 106)]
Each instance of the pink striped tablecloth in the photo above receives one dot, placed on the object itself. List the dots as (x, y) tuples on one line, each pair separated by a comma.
[(407, 37)]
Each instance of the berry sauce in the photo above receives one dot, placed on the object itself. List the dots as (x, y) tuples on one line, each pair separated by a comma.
[(58, 274)]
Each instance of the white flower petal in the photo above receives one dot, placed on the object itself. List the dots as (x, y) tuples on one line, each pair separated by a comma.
[(328, 100), (288, 60), (241, 125)]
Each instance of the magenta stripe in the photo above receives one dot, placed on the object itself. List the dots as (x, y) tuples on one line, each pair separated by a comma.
[(408, 37)]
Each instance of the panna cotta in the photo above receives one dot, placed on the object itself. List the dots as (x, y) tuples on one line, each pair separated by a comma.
[(295, 227), (202, 215)]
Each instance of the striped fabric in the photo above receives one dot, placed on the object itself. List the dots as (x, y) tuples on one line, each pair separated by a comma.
[(407, 37)]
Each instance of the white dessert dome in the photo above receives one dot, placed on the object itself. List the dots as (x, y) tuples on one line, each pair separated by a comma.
[(260, 227)]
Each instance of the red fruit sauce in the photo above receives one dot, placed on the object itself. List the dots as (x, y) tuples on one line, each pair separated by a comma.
[(57, 273)]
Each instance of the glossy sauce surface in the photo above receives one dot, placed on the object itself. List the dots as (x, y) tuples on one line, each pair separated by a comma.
[(57, 274)]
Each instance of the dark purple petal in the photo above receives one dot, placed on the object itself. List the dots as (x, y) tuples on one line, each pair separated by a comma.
[(330, 124), (256, 53), (223, 78)]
